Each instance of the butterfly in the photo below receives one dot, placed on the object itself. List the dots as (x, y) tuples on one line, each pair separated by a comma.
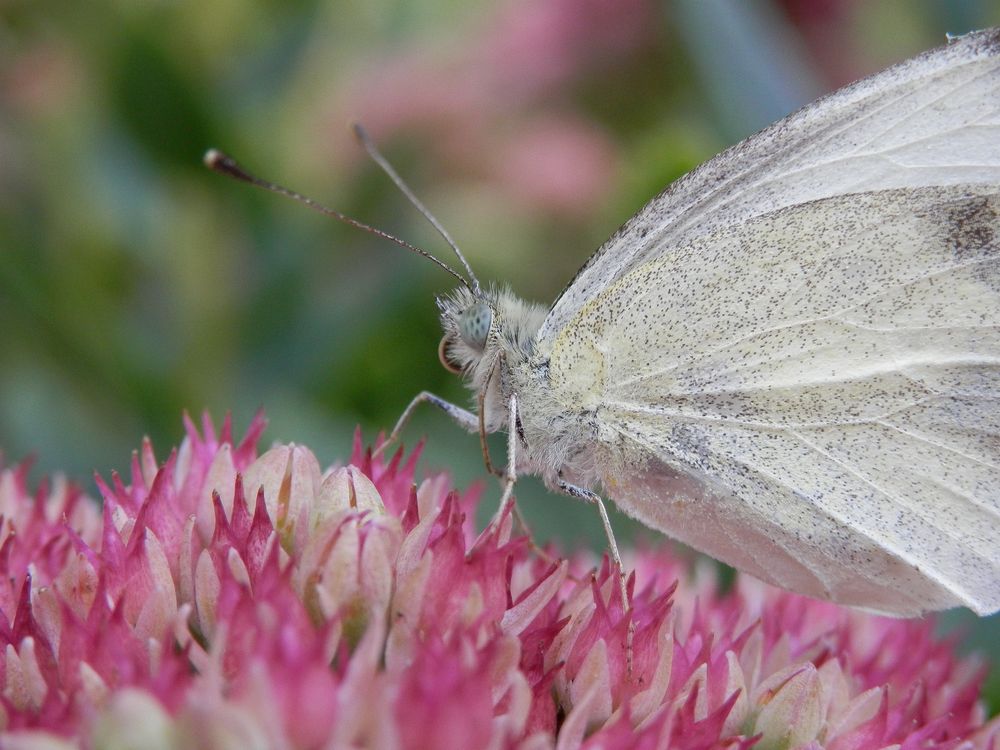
[(790, 358)]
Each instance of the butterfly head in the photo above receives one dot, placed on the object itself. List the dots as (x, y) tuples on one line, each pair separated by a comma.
[(470, 322), (480, 326)]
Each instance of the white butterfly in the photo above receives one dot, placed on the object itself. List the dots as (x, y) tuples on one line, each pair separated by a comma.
[(790, 359)]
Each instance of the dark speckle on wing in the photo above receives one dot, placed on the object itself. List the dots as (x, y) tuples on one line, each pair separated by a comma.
[(975, 224)]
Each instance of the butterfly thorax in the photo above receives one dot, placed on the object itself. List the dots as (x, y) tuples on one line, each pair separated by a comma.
[(490, 339)]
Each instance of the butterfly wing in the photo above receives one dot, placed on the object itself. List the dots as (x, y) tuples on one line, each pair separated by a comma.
[(813, 396), (800, 372), (932, 120)]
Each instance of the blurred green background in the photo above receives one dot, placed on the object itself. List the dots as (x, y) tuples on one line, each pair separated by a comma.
[(135, 284)]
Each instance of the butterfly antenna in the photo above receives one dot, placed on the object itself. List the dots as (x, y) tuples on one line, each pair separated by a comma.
[(366, 142), (226, 165)]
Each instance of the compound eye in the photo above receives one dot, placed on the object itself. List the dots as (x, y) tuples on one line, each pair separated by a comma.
[(474, 325), (448, 364)]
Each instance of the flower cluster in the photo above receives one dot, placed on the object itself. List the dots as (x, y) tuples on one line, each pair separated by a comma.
[(226, 600)]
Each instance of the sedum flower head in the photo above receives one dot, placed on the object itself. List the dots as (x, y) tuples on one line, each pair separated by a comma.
[(228, 600)]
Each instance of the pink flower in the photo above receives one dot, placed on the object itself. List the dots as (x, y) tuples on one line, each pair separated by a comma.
[(224, 599)]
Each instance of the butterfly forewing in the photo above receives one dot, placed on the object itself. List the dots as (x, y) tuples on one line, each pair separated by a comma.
[(932, 120)]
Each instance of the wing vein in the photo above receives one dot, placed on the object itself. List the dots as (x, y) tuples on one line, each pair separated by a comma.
[(803, 321), (924, 106), (896, 499), (817, 139), (939, 446)]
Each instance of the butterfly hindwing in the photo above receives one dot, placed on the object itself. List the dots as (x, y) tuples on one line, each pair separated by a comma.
[(827, 379)]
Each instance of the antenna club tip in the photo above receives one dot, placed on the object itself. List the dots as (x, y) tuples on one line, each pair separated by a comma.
[(212, 158), (222, 163)]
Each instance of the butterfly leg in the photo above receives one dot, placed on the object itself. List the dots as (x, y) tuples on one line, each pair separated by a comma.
[(509, 478), (474, 423), (594, 499), (483, 445), (464, 419), (510, 473)]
